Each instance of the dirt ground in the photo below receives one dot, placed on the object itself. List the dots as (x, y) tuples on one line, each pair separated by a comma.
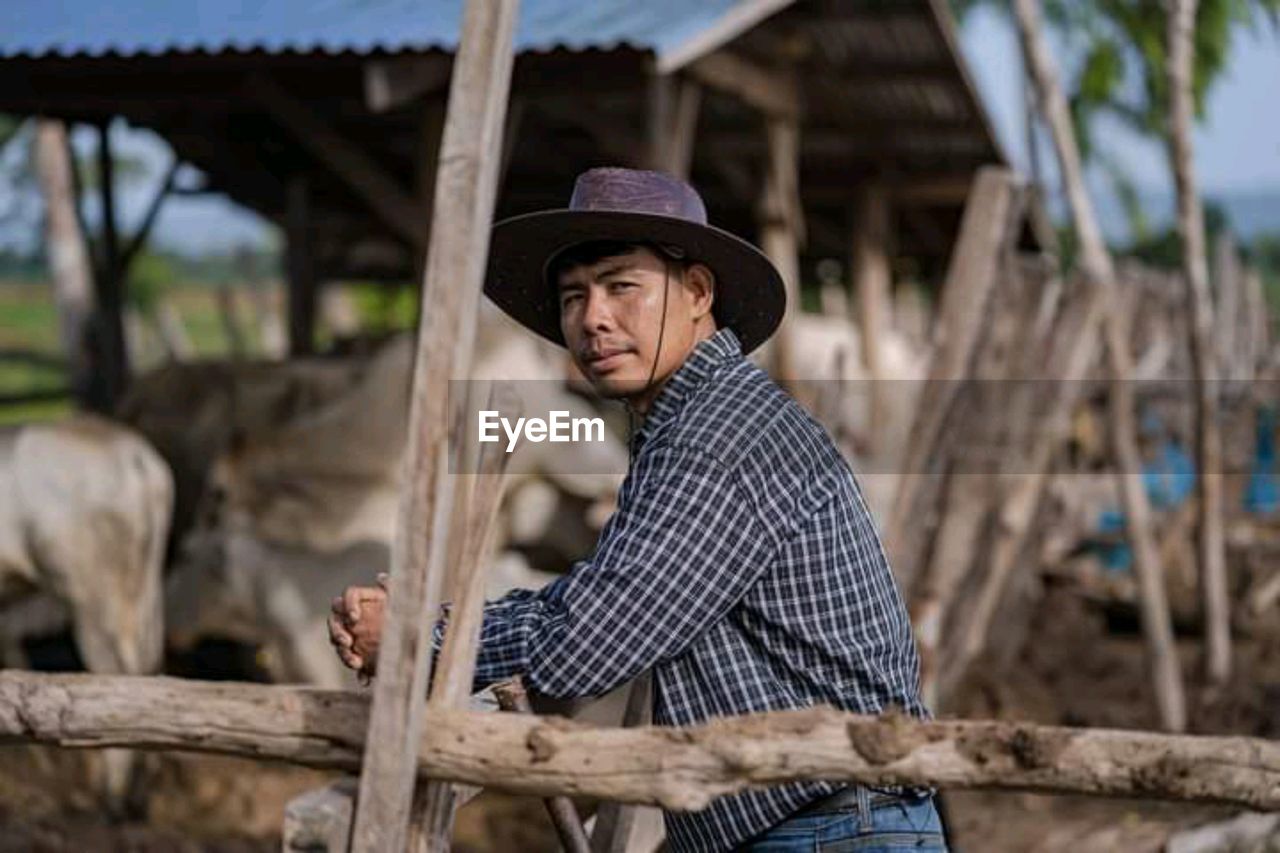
[(1074, 668)]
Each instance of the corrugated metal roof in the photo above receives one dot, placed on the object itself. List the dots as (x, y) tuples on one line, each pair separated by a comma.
[(129, 27)]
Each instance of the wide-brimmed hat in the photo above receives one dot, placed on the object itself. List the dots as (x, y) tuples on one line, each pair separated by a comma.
[(633, 206)]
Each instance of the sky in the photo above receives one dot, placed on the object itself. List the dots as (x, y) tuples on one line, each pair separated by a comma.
[(1237, 146)]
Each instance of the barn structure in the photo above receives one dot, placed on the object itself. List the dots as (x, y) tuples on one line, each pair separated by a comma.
[(846, 129)]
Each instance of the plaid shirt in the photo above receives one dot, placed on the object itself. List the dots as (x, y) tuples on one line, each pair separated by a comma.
[(741, 566)]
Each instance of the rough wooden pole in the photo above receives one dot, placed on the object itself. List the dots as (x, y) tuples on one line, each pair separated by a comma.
[(1211, 540), (65, 247), (1096, 263), (971, 279), (513, 698), (455, 668), (872, 282), (676, 768), (112, 357), (300, 263), (782, 229), (456, 258), (616, 821)]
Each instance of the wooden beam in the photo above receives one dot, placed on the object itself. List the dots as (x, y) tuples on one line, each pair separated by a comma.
[(971, 279), (391, 83), (111, 359), (300, 267), (772, 91), (148, 222), (533, 755), (781, 220), (383, 194), (741, 17), (673, 123), (462, 216), (872, 280)]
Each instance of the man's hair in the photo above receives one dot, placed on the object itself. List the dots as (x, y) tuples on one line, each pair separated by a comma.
[(586, 254)]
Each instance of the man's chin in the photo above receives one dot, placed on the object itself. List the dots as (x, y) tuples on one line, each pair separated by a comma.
[(616, 388)]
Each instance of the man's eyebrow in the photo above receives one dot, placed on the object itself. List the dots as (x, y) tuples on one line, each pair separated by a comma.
[(615, 268)]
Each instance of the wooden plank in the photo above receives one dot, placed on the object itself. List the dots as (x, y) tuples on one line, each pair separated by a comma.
[(460, 223), (381, 192), (513, 698), (616, 821), (300, 265), (781, 221), (532, 755), (1099, 270), (478, 487), (872, 281), (673, 123), (970, 282), (741, 17), (391, 83), (771, 91)]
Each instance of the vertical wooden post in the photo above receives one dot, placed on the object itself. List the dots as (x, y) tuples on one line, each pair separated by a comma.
[(112, 359), (781, 219), (1097, 265), (871, 275), (1211, 538), (69, 263), (300, 267), (458, 251), (674, 104)]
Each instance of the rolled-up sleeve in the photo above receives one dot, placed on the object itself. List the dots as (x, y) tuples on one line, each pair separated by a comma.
[(674, 559)]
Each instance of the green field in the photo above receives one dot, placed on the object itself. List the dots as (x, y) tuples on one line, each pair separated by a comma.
[(29, 324)]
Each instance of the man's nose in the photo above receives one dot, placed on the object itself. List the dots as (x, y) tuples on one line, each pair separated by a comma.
[(596, 313)]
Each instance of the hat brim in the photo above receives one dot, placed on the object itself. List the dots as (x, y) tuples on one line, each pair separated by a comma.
[(750, 297)]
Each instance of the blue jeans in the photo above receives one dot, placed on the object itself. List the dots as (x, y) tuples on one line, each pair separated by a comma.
[(898, 826)]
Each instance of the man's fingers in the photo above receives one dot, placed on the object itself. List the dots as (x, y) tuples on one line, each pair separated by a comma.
[(351, 598), (338, 633)]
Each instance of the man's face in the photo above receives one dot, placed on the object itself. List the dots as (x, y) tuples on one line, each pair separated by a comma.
[(611, 314)]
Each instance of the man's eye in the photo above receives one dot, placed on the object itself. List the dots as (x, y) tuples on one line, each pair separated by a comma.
[(566, 298)]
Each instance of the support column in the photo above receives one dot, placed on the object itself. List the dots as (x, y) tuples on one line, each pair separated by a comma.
[(871, 275), (300, 267), (781, 221), (110, 359), (674, 104)]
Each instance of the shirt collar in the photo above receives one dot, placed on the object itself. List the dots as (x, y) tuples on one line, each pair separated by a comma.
[(708, 355)]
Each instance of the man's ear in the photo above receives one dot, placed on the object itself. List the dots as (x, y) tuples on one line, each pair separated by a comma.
[(701, 282)]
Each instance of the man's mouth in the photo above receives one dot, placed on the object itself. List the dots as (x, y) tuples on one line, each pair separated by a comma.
[(605, 360)]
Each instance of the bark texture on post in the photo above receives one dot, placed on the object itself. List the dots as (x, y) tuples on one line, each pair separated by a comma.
[(1098, 268), (680, 768), (1211, 541)]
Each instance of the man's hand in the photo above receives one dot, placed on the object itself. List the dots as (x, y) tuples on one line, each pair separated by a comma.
[(355, 626)]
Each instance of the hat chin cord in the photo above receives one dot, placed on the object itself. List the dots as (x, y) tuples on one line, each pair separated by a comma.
[(653, 371)]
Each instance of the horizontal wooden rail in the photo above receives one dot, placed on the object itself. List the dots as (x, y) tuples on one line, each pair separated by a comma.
[(680, 769)]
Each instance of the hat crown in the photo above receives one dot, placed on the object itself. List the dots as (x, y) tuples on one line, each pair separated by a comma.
[(637, 191)]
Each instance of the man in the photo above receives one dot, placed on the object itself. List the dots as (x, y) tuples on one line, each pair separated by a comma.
[(742, 566)]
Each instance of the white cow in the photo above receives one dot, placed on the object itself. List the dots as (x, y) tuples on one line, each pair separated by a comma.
[(298, 512), (84, 515)]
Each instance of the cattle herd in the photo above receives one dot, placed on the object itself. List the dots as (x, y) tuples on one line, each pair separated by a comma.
[(234, 499)]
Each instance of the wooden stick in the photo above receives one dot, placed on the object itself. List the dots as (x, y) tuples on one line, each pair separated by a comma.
[(1211, 539), (677, 768), (971, 279), (512, 697), (455, 668), (614, 821), (458, 249), (1100, 271)]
